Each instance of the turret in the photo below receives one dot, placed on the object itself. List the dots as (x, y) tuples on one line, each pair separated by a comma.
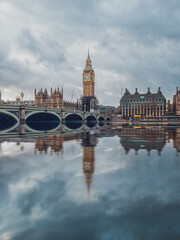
[(159, 90), (148, 92)]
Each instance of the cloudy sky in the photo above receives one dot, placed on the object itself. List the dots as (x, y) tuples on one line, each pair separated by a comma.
[(44, 43)]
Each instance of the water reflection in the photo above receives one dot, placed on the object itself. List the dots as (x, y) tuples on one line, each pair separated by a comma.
[(74, 124), (91, 124), (43, 126), (143, 138), (137, 139), (129, 191)]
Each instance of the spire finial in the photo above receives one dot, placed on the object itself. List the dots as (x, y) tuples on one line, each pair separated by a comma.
[(88, 58)]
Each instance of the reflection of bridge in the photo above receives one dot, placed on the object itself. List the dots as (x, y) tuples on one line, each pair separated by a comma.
[(30, 113)]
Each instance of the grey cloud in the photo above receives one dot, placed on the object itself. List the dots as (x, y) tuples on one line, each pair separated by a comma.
[(139, 40), (45, 49)]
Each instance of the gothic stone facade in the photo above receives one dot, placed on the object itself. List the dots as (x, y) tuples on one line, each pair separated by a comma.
[(55, 100), (144, 105)]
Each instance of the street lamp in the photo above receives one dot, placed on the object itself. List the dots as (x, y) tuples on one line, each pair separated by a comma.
[(22, 96)]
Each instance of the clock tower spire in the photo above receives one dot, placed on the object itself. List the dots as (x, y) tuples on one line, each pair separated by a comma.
[(88, 99), (88, 79)]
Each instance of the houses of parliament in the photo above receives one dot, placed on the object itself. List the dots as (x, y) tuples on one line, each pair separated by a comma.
[(55, 99)]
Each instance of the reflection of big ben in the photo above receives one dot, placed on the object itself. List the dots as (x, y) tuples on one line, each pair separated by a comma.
[(89, 100), (89, 142), (88, 164)]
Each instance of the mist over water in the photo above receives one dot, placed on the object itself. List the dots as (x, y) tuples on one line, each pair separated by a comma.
[(105, 182)]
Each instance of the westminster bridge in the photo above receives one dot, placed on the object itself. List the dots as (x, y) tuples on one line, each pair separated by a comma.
[(20, 114)]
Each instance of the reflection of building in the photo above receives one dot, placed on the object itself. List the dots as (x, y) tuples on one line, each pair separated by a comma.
[(149, 139), (176, 102), (55, 99), (89, 101), (174, 134), (177, 141), (55, 143), (89, 141), (88, 164), (148, 104)]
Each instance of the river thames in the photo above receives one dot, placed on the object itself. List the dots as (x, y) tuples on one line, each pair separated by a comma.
[(108, 182)]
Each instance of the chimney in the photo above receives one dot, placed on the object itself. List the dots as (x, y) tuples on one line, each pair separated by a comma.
[(176, 90), (159, 89), (136, 90)]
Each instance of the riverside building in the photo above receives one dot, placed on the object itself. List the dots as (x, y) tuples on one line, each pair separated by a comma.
[(176, 102), (143, 105)]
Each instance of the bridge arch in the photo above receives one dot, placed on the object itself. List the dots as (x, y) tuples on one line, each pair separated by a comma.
[(74, 120), (3, 112), (108, 119), (91, 121), (74, 117), (10, 128), (32, 129), (8, 121), (101, 120), (43, 116), (91, 118)]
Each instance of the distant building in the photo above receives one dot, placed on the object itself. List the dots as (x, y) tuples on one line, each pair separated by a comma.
[(110, 110), (144, 105), (169, 108), (18, 102), (54, 100), (176, 102)]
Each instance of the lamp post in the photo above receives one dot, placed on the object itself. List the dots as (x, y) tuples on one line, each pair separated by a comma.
[(22, 96)]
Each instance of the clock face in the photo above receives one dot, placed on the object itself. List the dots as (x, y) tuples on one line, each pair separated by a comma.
[(87, 77), (87, 165)]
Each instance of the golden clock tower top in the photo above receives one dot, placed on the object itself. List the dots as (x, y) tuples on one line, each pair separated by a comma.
[(88, 79)]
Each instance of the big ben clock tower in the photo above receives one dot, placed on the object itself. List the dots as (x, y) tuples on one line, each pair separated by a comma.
[(89, 100)]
